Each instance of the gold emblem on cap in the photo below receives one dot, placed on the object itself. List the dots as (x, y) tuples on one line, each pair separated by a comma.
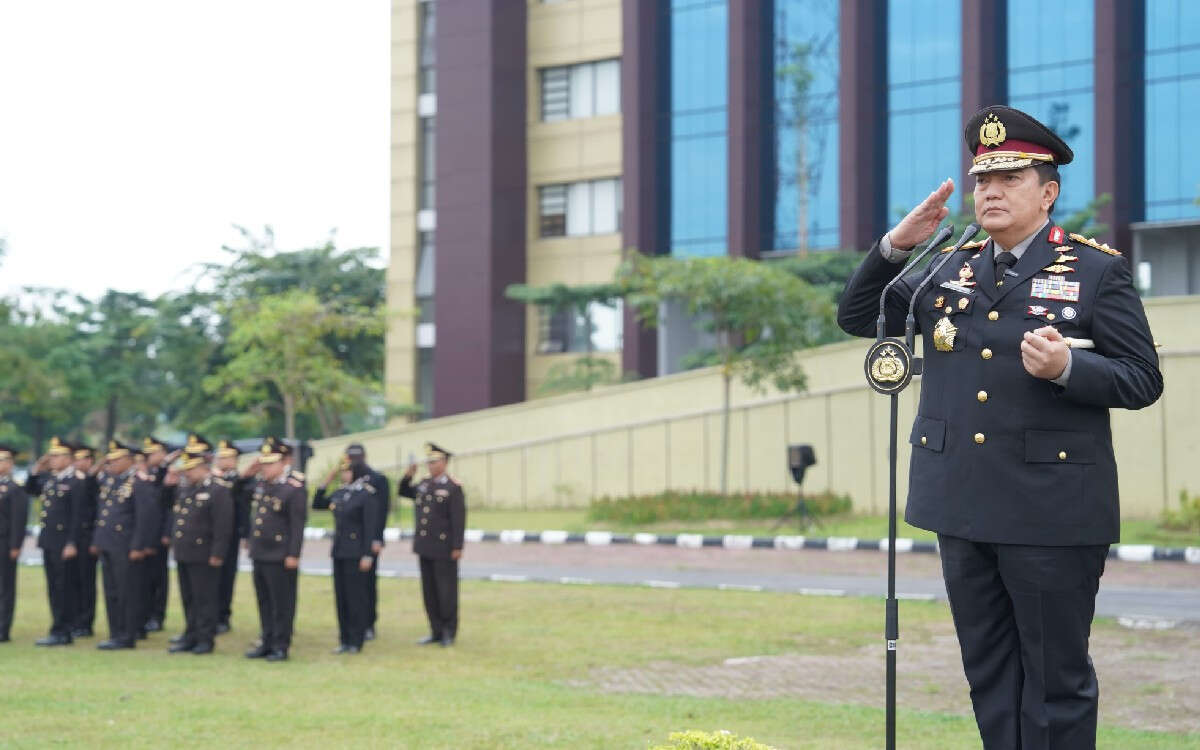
[(992, 132)]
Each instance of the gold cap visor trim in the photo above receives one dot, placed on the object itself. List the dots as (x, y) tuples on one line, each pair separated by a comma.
[(999, 161)]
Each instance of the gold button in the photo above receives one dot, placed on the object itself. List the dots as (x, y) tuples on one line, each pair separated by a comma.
[(199, 541), (428, 508), (179, 522), (178, 534), (119, 527), (949, 309), (979, 438), (257, 532), (60, 527), (258, 522), (986, 354), (1062, 455), (924, 440), (102, 523), (279, 537), (353, 535), (993, 315), (982, 396), (424, 520), (1050, 316), (441, 536), (422, 532)]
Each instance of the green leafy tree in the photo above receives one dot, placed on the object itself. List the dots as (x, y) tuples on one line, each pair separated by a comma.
[(760, 315), (279, 354)]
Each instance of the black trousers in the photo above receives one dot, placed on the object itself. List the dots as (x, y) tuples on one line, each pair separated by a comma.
[(439, 587), (229, 569), (158, 584), (199, 587), (275, 588), (62, 590), (85, 616), (1023, 616), (8, 592), (124, 594), (350, 591), (373, 592)]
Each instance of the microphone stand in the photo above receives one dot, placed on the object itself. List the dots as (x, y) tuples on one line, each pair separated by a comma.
[(889, 367)]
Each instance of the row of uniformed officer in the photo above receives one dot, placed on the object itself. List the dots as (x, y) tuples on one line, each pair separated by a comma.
[(14, 509), (62, 490), (440, 523), (241, 486)]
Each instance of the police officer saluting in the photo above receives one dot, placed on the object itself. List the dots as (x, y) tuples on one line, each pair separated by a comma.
[(126, 533), (358, 459), (85, 615), (14, 510), (201, 526), (1029, 339), (358, 521), (441, 521), (277, 522), (62, 494), (241, 487)]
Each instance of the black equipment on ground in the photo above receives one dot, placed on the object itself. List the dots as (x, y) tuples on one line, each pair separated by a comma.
[(799, 458)]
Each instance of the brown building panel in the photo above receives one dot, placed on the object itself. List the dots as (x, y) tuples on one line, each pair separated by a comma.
[(1120, 115), (750, 138), (862, 122), (984, 65)]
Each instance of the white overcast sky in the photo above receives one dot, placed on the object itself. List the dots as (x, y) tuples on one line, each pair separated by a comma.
[(135, 133)]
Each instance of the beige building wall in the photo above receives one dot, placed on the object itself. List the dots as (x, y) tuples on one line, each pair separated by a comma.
[(665, 433), (568, 151), (400, 364)]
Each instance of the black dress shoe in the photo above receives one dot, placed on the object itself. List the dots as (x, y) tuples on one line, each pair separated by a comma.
[(113, 644), (153, 626), (82, 633), (447, 641), (54, 640), (279, 654), (369, 634), (203, 648), (258, 652), (347, 649), (429, 640), (4, 638), (222, 627), (182, 646)]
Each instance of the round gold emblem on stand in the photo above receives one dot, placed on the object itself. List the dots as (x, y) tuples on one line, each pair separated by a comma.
[(888, 366)]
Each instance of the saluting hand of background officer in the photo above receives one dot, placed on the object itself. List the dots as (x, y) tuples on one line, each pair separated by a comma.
[(1044, 353), (921, 222)]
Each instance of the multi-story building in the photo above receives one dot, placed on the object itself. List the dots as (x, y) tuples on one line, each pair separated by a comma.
[(534, 141)]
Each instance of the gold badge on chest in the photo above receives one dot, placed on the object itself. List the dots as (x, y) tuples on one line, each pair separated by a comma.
[(943, 335)]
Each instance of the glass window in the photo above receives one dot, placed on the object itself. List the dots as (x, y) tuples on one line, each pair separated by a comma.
[(1054, 83), (699, 60), (427, 54), (924, 124), (424, 286), (580, 208), (583, 90), (1172, 156), (806, 124), (566, 330), (428, 163), (552, 203)]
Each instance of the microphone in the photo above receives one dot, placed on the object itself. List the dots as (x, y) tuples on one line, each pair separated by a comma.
[(910, 322), (942, 235)]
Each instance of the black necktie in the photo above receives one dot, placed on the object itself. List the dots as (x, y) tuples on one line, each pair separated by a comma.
[(1004, 261)]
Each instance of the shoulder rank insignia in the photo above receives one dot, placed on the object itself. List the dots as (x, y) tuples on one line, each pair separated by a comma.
[(295, 482), (1104, 248), (969, 246), (1059, 268), (298, 475), (80, 475), (1056, 235)]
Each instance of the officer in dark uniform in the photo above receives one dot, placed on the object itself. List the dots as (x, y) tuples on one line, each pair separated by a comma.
[(280, 506), (241, 487), (383, 493), (159, 457), (357, 521), (14, 510), (62, 493), (85, 463), (201, 527), (1029, 339), (127, 529), (441, 521)]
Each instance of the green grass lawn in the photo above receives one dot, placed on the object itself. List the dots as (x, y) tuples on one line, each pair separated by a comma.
[(861, 526), (508, 683)]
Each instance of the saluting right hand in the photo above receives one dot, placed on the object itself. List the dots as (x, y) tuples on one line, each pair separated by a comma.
[(922, 221), (411, 471)]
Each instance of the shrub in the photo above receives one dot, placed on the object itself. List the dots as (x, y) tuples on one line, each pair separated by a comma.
[(1187, 518), (674, 505), (721, 740)]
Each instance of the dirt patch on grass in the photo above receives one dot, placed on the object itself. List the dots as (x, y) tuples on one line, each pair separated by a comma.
[(1147, 678)]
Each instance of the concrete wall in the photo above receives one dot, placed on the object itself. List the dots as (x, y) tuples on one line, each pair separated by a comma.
[(665, 432)]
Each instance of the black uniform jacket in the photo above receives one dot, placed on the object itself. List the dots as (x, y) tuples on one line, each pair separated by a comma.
[(277, 518), (441, 515), (129, 513), (202, 520), (357, 518), (14, 512), (91, 503), (166, 501), (383, 496), (63, 504), (997, 454), (242, 489)]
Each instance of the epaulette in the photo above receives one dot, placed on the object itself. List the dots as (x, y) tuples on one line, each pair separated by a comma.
[(80, 475), (454, 479), (298, 475), (968, 246), (295, 482), (1104, 248)]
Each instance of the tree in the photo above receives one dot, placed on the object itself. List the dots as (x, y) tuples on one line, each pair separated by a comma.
[(759, 314), (585, 372), (278, 353)]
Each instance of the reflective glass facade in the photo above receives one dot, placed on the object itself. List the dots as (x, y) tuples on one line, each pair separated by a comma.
[(805, 36), (1172, 109), (698, 112), (1054, 82), (924, 124)]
